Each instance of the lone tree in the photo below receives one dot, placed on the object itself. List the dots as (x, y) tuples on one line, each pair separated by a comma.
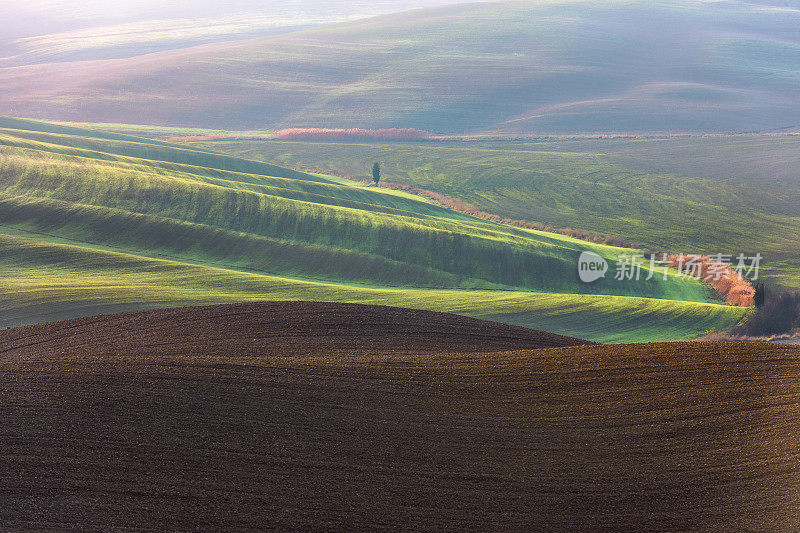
[(760, 296), (376, 173)]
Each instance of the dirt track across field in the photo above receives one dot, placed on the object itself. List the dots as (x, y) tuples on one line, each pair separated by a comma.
[(329, 416)]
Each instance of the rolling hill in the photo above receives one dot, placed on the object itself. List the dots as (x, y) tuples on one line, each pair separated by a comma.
[(515, 67), (91, 223), (225, 418), (48, 31), (209, 325), (710, 194)]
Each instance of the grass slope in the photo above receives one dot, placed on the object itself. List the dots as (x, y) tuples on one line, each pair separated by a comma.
[(67, 208), (45, 281), (556, 66), (72, 140), (258, 418), (728, 194)]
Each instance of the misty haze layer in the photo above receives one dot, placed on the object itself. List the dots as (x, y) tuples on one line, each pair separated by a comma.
[(70, 30)]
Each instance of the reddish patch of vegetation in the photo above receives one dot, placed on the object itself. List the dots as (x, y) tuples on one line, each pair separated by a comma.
[(462, 207), (317, 134), (734, 288), (350, 134)]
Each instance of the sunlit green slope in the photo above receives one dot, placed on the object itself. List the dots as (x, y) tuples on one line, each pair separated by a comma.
[(713, 194), (45, 281), (70, 204)]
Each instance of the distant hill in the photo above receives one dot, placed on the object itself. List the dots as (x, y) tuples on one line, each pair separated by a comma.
[(515, 67), (46, 31)]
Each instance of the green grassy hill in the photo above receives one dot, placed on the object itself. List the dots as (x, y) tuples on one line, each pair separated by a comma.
[(513, 66), (719, 194), (46, 279), (90, 224), (103, 145)]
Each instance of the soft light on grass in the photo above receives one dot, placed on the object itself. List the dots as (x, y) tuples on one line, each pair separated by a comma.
[(728, 194), (44, 281), (91, 225)]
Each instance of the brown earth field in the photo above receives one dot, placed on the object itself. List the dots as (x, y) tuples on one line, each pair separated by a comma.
[(346, 417)]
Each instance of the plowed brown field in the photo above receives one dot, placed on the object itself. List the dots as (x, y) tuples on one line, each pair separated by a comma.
[(325, 416)]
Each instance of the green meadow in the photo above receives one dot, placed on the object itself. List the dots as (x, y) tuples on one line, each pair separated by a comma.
[(45, 280), (91, 224), (713, 194)]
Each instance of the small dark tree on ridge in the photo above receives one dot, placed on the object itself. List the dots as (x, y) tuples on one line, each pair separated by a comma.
[(760, 296), (376, 173)]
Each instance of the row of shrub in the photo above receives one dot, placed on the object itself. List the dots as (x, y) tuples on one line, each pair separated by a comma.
[(732, 287), (462, 207), (316, 134), (350, 134)]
